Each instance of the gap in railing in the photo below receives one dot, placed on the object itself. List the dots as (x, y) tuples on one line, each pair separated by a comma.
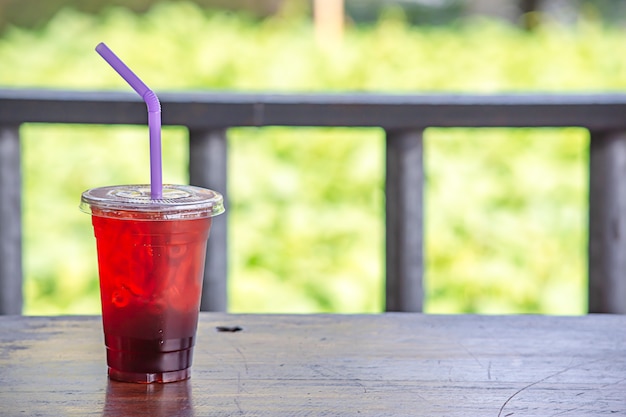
[(506, 220), (306, 219)]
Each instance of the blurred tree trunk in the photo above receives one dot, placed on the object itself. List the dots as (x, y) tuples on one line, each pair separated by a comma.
[(329, 18), (528, 6), (529, 10)]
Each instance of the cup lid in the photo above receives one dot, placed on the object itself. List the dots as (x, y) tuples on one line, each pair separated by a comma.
[(134, 201)]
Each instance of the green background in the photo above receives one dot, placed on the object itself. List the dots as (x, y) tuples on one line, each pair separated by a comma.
[(505, 208)]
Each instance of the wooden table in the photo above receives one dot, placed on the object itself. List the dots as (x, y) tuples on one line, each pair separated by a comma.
[(331, 365)]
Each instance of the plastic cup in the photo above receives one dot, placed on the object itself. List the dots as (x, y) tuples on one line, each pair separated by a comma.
[(151, 256)]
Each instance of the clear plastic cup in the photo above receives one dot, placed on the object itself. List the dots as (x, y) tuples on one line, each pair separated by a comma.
[(151, 256)]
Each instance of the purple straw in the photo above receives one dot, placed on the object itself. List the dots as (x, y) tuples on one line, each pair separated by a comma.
[(154, 117)]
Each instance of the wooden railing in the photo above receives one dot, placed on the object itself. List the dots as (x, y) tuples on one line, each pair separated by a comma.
[(403, 117)]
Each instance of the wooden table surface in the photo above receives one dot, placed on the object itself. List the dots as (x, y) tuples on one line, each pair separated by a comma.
[(331, 365)]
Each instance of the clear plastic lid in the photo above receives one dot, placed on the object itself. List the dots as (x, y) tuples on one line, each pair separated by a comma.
[(134, 202)]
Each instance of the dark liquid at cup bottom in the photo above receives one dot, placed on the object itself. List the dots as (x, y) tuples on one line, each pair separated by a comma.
[(161, 363), (134, 359)]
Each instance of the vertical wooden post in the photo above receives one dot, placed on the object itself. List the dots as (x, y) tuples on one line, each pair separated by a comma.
[(328, 17), (607, 222), (208, 168), (11, 297), (404, 221)]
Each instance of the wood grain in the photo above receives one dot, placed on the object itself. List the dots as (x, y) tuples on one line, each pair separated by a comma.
[(392, 365)]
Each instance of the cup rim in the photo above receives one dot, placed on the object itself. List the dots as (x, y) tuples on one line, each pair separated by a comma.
[(133, 201)]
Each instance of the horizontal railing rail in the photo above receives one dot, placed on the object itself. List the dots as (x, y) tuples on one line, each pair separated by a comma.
[(208, 116), (213, 110)]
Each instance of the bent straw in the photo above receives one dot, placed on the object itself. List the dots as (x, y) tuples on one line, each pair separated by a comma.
[(154, 116)]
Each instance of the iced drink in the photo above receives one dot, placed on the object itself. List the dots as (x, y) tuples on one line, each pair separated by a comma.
[(151, 257)]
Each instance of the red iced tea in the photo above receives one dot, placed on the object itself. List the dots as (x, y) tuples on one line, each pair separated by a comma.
[(150, 284), (151, 262)]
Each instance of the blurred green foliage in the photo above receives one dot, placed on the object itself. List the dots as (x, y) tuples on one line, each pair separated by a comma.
[(505, 208)]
